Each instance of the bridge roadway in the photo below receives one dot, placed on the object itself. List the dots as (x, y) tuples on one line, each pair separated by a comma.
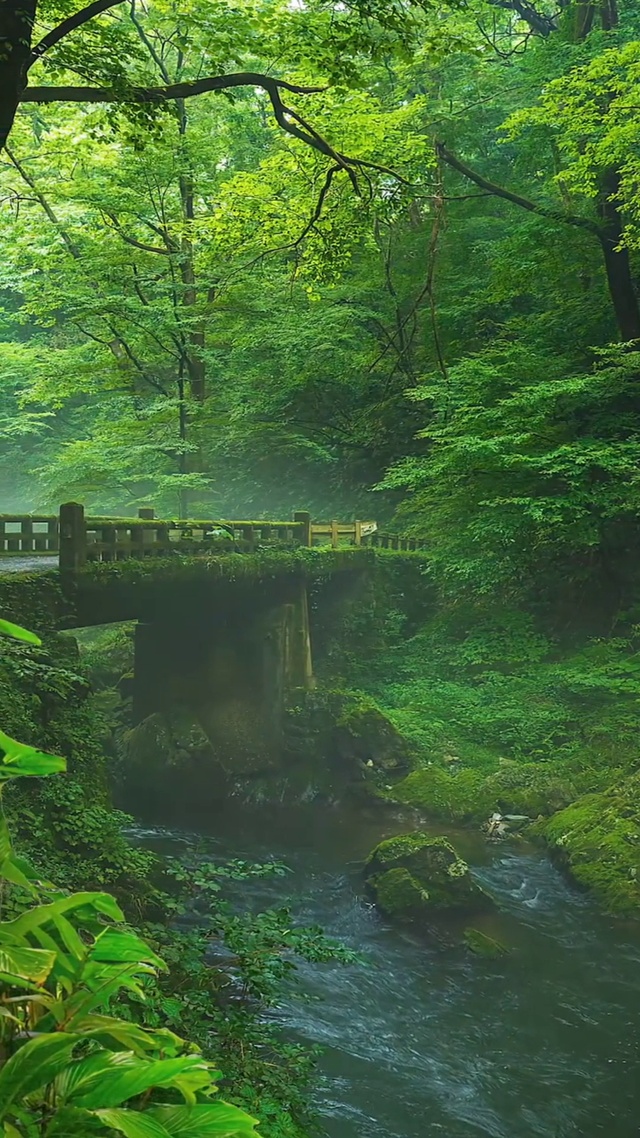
[(40, 564)]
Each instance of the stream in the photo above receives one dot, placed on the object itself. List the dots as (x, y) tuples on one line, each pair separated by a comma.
[(424, 1038)]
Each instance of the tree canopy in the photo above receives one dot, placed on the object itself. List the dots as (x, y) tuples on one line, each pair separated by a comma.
[(262, 255)]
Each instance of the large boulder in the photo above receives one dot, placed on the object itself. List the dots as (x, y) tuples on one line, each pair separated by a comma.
[(597, 840), (167, 759), (414, 875), (343, 739)]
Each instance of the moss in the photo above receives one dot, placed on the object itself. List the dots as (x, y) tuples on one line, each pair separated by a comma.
[(443, 794), (394, 849), (34, 600), (514, 788), (597, 839), (346, 732), (434, 866), (483, 945), (398, 894)]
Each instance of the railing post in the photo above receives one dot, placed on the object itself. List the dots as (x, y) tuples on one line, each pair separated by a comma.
[(52, 544), (26, 536), (357, 537), (248, 535), (73, 537), (304, 521)]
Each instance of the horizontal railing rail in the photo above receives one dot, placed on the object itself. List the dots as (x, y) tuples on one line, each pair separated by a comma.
[(78, 538)]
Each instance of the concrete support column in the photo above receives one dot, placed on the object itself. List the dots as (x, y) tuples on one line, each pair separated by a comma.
[(151, 671), (300, 662)]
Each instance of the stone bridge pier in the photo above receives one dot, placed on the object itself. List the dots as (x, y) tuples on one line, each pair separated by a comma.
[(231, 664)]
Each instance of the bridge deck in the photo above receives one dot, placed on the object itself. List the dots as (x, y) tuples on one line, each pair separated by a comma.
[(38, 563)]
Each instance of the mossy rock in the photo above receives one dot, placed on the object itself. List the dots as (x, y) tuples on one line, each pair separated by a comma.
[(160, 742), (363, 732), (398, 894), (513, 788), (415, 874), (482, 945), (348, 732), (443, 794), (597, 839)]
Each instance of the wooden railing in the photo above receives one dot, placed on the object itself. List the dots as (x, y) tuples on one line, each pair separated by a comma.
[(79, 539)]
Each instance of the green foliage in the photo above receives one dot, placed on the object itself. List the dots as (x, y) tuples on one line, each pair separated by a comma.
[(66, 824), (87, 1045), (64, 1059), (18, 633), (597, 838)]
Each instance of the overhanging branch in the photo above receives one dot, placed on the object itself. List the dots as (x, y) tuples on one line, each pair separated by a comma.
[(286, 117), (164, 94), (516, 199), (69, 25)]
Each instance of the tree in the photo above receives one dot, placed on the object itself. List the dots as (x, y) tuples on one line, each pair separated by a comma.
[(22, 53), (151, 242), (606, 186)]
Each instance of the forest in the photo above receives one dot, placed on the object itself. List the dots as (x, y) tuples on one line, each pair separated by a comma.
[(337, 259)]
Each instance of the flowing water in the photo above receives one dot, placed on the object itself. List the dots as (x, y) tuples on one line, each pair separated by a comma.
[(425, 1039)]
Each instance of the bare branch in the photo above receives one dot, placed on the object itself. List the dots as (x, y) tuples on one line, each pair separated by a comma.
[(517, 199), (115, 224), (161, 95), (540, 24)]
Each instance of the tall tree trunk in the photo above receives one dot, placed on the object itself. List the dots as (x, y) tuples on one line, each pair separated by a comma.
[(16, 27), (193, 335), (616, 259), (624, 297), (195, 332), (183, 458)]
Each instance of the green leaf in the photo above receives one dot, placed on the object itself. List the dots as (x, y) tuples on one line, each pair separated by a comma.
[(132, 1037), (35, 1065), (70, 1122), (51, 929), (206, 1120), (102, 982), (84, 906), (110, 1079), (20, 760), (5, 838), (121, 946), (11, 870), (132, 1123), (18, 633), (19, 964)]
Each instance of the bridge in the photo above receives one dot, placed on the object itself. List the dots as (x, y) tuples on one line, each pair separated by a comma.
[(222, 607), (77, 540)]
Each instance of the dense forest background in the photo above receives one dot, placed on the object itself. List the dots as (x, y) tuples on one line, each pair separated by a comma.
[(203, 313), (409, 293)]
